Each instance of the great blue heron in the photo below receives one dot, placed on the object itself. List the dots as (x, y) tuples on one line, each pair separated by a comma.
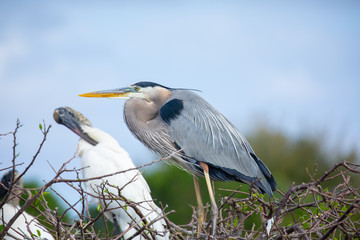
[(101, 155), (25, 226), (178, 122)]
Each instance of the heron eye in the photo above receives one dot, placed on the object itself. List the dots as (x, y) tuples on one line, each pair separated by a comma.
[(136, 88)]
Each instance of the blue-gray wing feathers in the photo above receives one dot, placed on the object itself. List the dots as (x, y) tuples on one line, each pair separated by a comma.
[(206, 135)]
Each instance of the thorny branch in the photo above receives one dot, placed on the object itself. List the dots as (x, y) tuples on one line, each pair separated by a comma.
[(304, 211)]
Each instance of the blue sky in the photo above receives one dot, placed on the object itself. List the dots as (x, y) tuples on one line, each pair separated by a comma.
[(293, 65)]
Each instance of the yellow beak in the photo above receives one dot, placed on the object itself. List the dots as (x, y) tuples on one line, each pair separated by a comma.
[(113, 93)]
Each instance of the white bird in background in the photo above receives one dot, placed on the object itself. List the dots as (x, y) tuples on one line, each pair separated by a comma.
[(100, 155), (25, 226)]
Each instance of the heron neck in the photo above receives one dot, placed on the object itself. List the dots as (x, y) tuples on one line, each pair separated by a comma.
[(139, 111), (140, 117)]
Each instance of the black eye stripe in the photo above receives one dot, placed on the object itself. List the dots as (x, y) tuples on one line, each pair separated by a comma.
[(148, 84)]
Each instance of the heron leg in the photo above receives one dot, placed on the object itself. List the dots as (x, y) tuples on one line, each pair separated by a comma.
[(200, 210), (214, 210)]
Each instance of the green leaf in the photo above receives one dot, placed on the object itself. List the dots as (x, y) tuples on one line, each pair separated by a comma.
[(335, 204), (40, 126), (344, 208), (318, 198), (38, 232), (98, 207), (33, 193), (236, 220), (306, 225), (1, 227), (324, 207)]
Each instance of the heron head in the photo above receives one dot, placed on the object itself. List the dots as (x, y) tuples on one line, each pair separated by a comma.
[(144, 90), (75, 121)]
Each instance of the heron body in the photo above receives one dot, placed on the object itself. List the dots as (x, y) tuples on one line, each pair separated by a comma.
[(101, 156), (25, 226), (181, 124), (185, 122)]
